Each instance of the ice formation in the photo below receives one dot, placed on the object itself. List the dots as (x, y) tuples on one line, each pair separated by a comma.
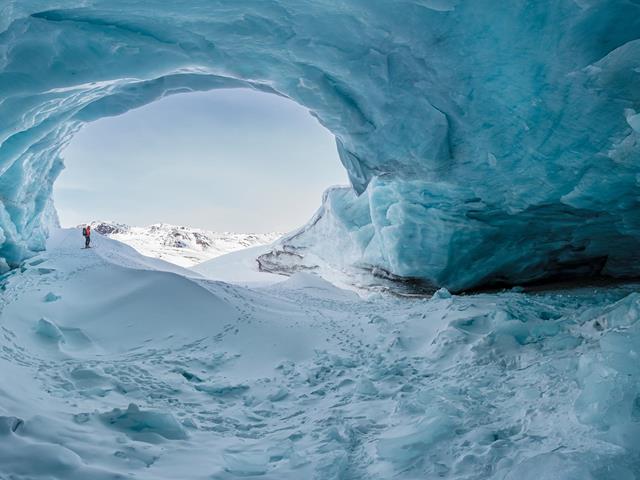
[(485, 142)]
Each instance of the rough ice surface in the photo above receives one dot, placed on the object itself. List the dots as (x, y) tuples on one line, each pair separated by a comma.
[(485, 142), (145, 370)]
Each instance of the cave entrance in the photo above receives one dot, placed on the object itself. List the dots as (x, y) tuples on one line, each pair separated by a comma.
[(235, 160)]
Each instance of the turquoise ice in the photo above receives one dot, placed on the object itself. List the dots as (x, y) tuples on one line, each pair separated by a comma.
[(485, 142)]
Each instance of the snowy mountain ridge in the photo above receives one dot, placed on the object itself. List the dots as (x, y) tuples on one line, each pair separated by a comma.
[(184, 246)]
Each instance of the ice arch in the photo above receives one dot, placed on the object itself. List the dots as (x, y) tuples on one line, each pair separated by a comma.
[(485, 141)]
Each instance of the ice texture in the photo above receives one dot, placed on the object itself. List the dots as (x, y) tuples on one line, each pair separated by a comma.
[(485, 142)]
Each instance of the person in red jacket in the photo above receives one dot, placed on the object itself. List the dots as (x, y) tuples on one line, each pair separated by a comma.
[(86, 232)]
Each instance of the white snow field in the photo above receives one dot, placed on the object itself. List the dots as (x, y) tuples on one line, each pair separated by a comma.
[(240, 268), (184, 246), (118, 366)]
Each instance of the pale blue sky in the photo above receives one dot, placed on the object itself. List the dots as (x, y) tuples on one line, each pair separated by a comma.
[(233, 160)]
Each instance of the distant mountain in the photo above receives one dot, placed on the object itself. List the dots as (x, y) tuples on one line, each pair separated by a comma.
[(184, 246)]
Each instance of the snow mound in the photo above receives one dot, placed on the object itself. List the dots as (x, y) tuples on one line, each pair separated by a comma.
[(315, 285), (239, 268)]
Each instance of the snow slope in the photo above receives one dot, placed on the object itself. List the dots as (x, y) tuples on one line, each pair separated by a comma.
[(114, 365), (239, 268), (184, 246)]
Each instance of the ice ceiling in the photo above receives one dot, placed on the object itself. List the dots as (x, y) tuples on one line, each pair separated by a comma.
[(486, 141)]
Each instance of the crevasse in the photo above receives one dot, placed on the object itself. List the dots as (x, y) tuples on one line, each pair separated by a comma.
[(485, 142)]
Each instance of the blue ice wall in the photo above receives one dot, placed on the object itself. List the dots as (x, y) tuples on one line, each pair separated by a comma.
[(486, 141)]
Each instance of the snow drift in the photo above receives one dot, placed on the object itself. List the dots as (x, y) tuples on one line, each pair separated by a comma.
[(485, 142), (119, 366)]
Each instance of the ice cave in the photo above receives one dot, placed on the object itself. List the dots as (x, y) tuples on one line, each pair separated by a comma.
[(484, 145), (487, 144)]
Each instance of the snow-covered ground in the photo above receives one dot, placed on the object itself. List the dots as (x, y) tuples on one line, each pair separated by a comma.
[(184, 246), (240, 268), (114, 365)]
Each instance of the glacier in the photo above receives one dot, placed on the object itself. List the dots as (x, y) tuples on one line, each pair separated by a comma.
[(485, 143)]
